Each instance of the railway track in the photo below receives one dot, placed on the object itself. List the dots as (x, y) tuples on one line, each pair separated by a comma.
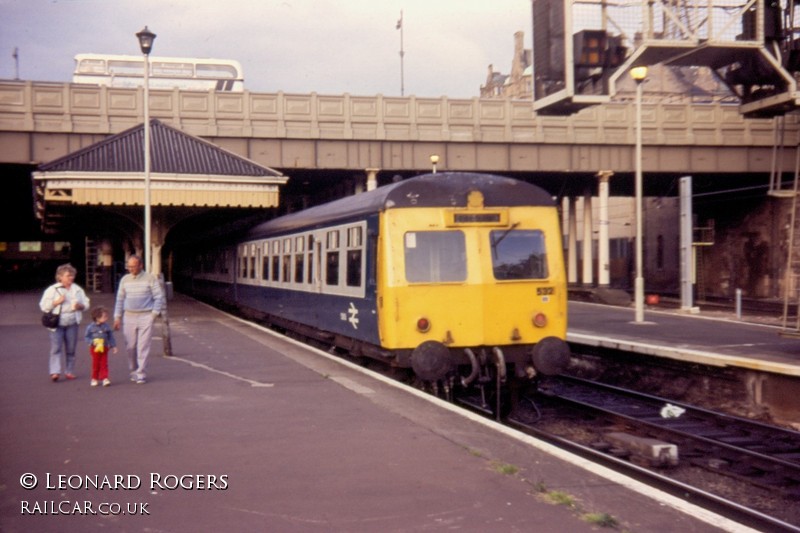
[(751, 471), (740, 468)]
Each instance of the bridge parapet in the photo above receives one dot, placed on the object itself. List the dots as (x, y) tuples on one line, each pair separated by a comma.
[(83, 114), (71, 108)]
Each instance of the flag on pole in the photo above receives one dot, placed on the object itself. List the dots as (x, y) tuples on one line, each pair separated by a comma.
[(399, 22)]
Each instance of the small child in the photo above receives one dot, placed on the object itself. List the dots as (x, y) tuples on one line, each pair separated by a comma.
[(100, 337)]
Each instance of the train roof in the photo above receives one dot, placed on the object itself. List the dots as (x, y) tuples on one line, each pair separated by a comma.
[(443, 189)]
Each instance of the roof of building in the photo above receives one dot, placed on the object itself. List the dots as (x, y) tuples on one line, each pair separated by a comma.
[(172, 152)]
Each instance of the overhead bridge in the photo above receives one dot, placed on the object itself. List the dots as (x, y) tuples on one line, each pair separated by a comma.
[(40, 122)]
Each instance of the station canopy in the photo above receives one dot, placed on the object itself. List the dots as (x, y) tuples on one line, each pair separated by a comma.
[(185, 171)]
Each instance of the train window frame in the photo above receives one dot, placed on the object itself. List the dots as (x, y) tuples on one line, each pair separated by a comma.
[(419, 248), (535, 263), (254, 250), (354, 257), (265, 262), (332, 258), (298, 260)]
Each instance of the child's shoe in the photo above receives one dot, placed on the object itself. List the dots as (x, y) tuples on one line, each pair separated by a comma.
[(94, 383), (106, 382)]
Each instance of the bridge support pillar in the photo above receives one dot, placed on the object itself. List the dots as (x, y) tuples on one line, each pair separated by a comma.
[(572, 241), (588, 258), (372, 178), (603, 263)]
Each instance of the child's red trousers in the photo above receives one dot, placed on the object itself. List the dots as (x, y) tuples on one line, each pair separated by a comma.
[(99, 364)]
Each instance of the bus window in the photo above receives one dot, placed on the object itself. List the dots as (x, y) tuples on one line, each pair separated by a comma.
[(205, 70)]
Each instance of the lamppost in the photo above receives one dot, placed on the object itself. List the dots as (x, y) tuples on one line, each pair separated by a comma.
[(639, 74), (434, 161), (146, 38)]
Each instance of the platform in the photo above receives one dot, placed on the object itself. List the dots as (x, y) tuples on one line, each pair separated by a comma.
[(243, 430), (712, 338)]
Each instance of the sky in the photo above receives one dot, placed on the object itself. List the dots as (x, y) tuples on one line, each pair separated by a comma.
[(295, 46)]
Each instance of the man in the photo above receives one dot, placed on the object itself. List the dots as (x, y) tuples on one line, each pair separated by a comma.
[(140, 299)]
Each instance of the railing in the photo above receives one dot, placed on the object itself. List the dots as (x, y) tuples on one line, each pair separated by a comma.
[(41, 107)]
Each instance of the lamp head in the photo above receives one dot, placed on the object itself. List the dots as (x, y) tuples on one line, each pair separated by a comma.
[(434, 159), (146, 38), (639, 74)]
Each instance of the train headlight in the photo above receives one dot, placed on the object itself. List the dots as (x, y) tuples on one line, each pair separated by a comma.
[(423, 325), (539, 320)]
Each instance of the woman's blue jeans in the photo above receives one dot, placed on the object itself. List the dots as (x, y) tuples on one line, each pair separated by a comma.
[(62, 345)]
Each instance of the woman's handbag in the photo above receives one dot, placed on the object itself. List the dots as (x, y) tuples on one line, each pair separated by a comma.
[(50, 319)]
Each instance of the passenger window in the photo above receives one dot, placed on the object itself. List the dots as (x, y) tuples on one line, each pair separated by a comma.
[(287, 265), (253, 259), (518, 254), (298, 268), (354, 254), (276, 261), (435, 256), (332, 268), (332, 258), (354, 268), (276, 267), (265, 262)]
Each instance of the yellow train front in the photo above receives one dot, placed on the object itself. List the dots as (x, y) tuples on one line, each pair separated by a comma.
[(470, 280)]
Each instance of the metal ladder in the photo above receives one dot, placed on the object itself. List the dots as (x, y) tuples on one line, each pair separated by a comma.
[(92, 266)]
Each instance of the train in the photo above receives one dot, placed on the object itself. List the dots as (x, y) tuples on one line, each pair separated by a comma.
[(456, 278)]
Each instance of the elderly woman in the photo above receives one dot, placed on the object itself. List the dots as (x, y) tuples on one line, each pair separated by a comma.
[(68, 300)]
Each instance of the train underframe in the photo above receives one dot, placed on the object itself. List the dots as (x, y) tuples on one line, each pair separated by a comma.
[(487, 378)]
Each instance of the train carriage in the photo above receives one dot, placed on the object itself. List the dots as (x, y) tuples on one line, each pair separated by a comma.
[(458, 276)]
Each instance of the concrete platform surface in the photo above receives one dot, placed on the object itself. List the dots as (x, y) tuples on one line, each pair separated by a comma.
[(709, 337), (241, 430)]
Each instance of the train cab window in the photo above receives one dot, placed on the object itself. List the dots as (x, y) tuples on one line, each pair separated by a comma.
[(435, 256), (518, 254)]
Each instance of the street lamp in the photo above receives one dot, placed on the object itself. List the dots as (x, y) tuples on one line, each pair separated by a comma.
[(434, 161), (146, 38), (639, 74)]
